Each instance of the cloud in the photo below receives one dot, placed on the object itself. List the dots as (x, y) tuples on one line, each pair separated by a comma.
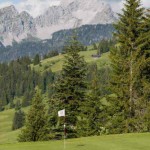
[(146, 3), (5, 4), (117, 5)]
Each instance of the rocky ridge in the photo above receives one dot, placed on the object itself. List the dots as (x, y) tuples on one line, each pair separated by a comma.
[(69, 14)]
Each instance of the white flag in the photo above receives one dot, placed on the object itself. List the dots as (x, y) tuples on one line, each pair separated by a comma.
[(61, 113)]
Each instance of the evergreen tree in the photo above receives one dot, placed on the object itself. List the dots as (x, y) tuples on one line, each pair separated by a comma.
[(17, 79), (18, 120), (143, 77), (36, 60), (70, 86), (36, 127), (94, 110), (128, 29), (1, 105), (18, 105), (94, 46)]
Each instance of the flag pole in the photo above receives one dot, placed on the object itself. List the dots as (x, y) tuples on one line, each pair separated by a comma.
[(64, 132), (61, 113)]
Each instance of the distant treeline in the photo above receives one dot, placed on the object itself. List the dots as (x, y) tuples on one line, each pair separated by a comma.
[(17, 79), (87, 35)]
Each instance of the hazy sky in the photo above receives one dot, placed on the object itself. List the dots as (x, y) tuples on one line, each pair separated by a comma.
[(36, 7)]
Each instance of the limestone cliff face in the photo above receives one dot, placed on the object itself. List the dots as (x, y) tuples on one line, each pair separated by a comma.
[(69, 14), (14, 25)]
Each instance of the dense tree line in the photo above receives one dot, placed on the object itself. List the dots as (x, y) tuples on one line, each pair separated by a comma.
[(17, 79), (103, 46), (51, 54)]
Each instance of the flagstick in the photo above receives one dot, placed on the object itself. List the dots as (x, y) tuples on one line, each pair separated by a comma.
[(61, 113), (64, 133)]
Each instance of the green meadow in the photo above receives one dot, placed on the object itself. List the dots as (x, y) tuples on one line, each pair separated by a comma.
[(8, 140), (111, 142), (55, 63)]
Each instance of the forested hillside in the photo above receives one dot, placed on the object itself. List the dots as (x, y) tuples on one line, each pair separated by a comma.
[(18, 80), (87, 35)]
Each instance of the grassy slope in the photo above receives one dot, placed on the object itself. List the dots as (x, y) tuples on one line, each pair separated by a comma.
[(5, 126), (55, 63), (6, 134), (8, 140), (111, 142)]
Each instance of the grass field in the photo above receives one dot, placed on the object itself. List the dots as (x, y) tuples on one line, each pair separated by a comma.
[(111, 142), (8, 140), (6, 133), (55, 63)]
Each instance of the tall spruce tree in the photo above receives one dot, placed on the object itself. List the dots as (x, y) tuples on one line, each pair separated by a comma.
[(143, 76), (36, 127), (123, 85), (93, 109), (70, 86)]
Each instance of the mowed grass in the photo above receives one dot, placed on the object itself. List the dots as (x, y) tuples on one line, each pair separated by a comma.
[(8, 140), (6, 133), (111, 142), (55, 63)]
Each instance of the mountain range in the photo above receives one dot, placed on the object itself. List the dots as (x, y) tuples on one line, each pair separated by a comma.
[(15, 26)]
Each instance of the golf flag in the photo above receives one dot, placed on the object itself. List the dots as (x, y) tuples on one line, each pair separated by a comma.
[(61, 113)]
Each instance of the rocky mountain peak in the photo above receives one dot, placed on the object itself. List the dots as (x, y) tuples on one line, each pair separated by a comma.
[(25, 14), (69, 14), (8, 13), (9, 9)]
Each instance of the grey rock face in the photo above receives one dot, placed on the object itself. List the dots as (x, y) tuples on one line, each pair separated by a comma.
[(15, 26), (69, 14), (23, 24), (7, 16)]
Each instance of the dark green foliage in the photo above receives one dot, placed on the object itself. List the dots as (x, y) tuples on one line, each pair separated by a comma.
[(47, 80), (18, 105), (103, 78), (124, 63), (70, 86), (94, 46), (1, 105), (18, 120), (94, 114), (51, 54), (36, 127), (105, 46), (17, 79), (143, 76), (36, 59)]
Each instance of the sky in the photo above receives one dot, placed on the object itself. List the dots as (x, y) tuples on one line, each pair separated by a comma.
[(37, 7)]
